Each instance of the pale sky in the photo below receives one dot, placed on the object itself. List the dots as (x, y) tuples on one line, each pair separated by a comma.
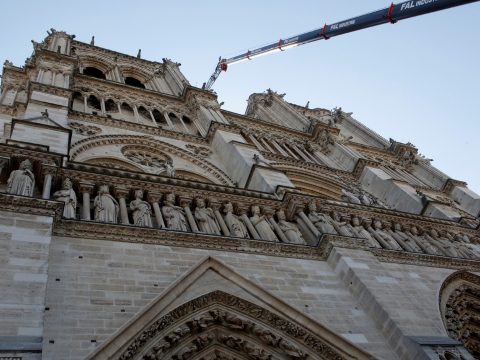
[(416, 81)]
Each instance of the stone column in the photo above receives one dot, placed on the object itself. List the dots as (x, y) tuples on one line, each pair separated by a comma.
[(216, 210), (287, 148), (300, 152), (185, 203), (121, 195), (184, 126), (119, 108), (48, 172), (278, 147), (246, 220), (167, 119), (102, 106), (86, 190), (153, 118), (154, 200), (85, 106), (266, 145), (135, 113)]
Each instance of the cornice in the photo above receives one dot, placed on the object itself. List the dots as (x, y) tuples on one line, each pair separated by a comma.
[(31, 205)]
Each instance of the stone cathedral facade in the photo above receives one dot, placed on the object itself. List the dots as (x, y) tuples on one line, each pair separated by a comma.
[(139, 221)]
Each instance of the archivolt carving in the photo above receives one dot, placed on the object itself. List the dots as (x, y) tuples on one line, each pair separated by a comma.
[(104, 64), (112, 163), (460, 308), (84, 145), (225, 324)]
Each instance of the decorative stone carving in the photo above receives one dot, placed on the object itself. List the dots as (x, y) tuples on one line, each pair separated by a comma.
[(387, 241), (69, 198), (442, 243), (174, 215), (422, 242), (261, 224), (106, 207), (324, 141), (86, 130), (341, 225), (205, 217), (141, 210), (290, 230), (22, 181), (321, 221), (198, 150), (367, 233), (234, 223), (396, 231)]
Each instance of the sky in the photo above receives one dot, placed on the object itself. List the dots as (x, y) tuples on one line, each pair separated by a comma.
[(415, 81)]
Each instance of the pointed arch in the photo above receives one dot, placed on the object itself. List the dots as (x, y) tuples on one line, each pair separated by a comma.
[(459, 302), (222, 323)]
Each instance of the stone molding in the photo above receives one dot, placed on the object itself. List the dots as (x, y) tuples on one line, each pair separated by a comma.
[(31, 205)]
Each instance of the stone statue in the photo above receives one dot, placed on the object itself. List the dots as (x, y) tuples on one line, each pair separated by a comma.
[(321, 221), (290, 230), (385, 239), (261, 224), (422, 242), (174, 215), (365, 231), (206, 219), (350, 197), (69, 198), (106, 207), (170, 169), (235, 225), (466, 248), (342, 226), (403, 239), (441, 243), (22, 181), (325, 140), (141, 210)]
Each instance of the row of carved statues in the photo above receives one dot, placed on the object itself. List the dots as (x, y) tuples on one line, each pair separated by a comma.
[(261, 223)]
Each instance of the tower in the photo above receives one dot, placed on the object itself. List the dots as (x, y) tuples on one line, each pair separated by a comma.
[(139, 220)]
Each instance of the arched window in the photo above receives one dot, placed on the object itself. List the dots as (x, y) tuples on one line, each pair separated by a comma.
[(186, 120), (159, 118), (94, 72), (94, 103), (127, 112), (144, 114), (134, 82), (110, 106)]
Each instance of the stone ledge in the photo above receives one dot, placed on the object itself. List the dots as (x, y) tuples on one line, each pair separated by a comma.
[(30, 205)]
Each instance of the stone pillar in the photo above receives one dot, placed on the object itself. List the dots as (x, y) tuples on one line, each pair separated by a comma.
[(278, 147), (121, 195), (154, 200), (184, 126), (300, 152), (48, 172), (119, 108), (135, 113), (267, 145), (86, 190), (153, 118), (85, 106), (167, 119), (185, 203), (287, 148), (246, 220), (216, 207), (102, 106)]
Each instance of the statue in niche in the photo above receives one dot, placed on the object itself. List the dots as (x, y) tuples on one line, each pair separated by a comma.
[(422, 242), (396, 231), (290, 230), (167, 169), (441, 243), (386, 240), (207, 222), (466, 248), (141, 210), (69, 198), (22, 181), (106, 207), (365, 231), (234, 223), (340, 223), (174, 215), (321, 221), (261, 224)]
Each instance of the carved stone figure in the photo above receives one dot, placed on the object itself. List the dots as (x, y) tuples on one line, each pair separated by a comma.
[(170, 169), (174, 215), (350, 197), (290, 230), (325, 141), (22, 181), (141, 210), (321, 221), (234, 223), (106, 207), (442, 243), (466, 248), (422, 242), (342, 226), (387, 241), (261, 224), (206, 219), (364, 230), (403, 239), (69, 198)]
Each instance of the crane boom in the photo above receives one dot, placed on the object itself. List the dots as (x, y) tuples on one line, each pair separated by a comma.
[(391, 14)]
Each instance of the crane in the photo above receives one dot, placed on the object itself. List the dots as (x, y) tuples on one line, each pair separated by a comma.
[(391, 14)]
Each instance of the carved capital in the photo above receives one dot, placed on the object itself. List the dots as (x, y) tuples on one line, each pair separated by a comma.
[(154, 197), (121, 192), (86, 187)]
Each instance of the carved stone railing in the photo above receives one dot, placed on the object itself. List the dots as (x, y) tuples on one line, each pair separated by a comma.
[(111, 206)]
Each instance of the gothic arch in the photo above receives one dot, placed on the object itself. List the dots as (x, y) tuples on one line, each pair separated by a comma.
[(102, 64), (112, 162), (459, 302), (216, 175), (218, 323)]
